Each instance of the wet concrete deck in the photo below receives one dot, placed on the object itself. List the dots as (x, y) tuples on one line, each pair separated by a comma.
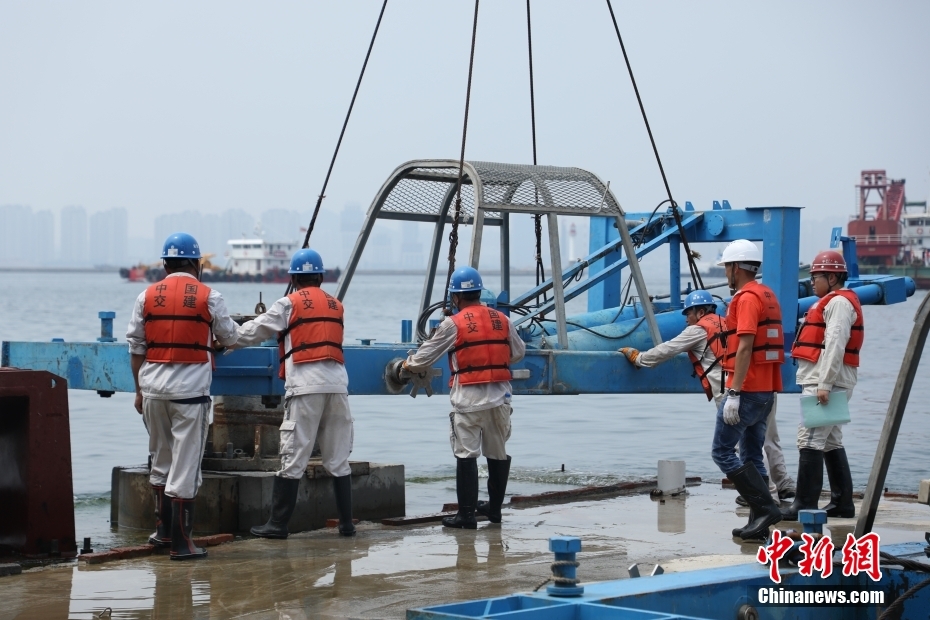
[(386, 570)]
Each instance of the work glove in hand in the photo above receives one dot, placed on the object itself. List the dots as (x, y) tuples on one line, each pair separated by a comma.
[(731, 410), (631, 354)]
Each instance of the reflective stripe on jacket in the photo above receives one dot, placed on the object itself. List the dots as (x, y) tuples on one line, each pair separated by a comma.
[(315, 327), (768, 346), (716, 328), (482, 346), (177, 322), (809, 342)]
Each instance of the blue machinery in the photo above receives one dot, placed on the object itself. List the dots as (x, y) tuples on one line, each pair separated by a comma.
[(728, 592), (565, 355)]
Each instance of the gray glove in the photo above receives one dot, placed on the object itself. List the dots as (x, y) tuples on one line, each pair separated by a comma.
[(731, 410)]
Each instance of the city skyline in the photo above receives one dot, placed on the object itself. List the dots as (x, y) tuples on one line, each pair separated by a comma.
[(77, 237)]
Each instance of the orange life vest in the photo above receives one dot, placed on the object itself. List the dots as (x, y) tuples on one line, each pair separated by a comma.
[(768, 347), (810, 339), (315, 328), (482, 347), (716, 328), (177, 322)]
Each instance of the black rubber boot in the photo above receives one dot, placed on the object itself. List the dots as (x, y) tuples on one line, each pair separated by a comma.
[(498, 473), (342, 489), (466, 487), (162, 535), (810, 483), (841, 489), (739, 530), (764, 510), (283, 501), (182, 530)]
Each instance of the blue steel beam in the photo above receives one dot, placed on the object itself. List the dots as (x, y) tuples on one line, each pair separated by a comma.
[(104, 366), (615, 267)]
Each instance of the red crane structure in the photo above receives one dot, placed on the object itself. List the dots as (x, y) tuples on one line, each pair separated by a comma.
[(877, 226)]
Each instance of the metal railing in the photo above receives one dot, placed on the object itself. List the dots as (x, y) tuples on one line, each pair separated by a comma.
[(878, 239)]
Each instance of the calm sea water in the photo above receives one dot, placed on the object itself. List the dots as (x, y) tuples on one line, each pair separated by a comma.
[(598, 438)]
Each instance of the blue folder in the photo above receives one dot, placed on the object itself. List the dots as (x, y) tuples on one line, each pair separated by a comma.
[(834, 412)]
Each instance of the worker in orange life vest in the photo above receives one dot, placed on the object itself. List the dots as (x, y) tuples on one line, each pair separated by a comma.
[(171, 333), (755, 352), (827, 351), (703, 340), (308, 325), (482, 344)]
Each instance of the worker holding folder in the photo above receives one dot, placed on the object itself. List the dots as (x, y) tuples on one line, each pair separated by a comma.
[(827, 352)]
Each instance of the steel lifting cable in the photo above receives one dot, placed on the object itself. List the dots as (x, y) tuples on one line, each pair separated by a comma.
[(695, 275), (454, 233), (537, 219), (319, 200)]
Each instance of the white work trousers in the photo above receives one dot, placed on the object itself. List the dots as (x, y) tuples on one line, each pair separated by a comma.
[(480, 432), (774, 457), (823, 438), (308, 416), (177, 437)]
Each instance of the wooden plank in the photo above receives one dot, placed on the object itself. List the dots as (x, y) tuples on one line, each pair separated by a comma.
[(610, 489), (902, 390)]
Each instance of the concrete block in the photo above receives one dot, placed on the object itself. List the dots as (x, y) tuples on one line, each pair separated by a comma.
[(216, 509), (923, 493), (671, 477), (233, 501)]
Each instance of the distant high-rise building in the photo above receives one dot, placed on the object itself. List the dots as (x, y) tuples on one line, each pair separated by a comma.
[(282, 225), (411, 250), (109, 232), (212, 230), (43, 240), (17, 228), (74, 235), (351, 220)]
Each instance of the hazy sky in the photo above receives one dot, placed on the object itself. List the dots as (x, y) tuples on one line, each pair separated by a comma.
[(161, 107)]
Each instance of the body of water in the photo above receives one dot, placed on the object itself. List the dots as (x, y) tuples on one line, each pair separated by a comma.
[(598, 438)]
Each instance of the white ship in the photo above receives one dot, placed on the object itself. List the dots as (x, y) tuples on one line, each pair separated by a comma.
[(253, 257)]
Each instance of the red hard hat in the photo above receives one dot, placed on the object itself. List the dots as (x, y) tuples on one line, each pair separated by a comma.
[(829, 261)]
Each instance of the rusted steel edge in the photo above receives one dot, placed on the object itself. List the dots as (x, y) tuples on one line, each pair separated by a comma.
[(125, 553), (430, 518), (610, 489)]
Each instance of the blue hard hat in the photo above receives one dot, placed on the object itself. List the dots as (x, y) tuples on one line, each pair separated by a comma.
[(698, 298), (464, 280), (180, 245), (306, 261)]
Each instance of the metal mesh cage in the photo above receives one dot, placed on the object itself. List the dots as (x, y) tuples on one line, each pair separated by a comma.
[(423, 188)]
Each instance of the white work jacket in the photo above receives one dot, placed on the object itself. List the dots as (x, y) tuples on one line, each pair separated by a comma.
[(474, 396), (319, 377)]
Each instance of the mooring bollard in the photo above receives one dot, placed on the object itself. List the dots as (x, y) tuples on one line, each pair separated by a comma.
[(106, 326), (812, 521), (564, 567)]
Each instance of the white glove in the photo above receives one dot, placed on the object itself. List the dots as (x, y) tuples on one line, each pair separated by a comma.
[(731, 410)]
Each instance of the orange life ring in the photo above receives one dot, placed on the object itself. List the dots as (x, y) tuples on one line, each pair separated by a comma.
[(920, 231)]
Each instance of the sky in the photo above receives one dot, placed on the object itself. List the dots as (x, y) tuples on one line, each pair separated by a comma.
[(167, 106)]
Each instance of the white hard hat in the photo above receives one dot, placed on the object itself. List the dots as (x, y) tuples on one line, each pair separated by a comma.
[(740, 251)]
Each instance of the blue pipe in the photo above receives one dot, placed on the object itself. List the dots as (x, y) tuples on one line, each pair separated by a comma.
[(594, 331)]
